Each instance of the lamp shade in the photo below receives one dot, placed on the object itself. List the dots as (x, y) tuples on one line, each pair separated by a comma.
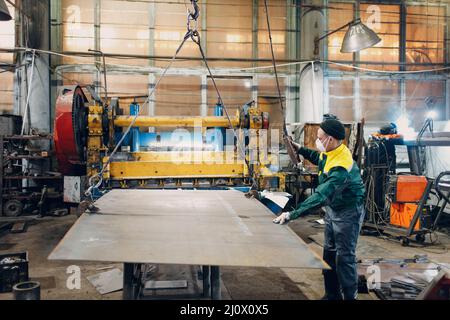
[(359, 37), (4, 12)]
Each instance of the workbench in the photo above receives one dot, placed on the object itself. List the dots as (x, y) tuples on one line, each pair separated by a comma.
[(209, 228)]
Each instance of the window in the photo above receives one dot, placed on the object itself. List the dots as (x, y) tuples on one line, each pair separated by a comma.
[(383, 19), (341, 98), (269, 101), (380, 100), (425, 32), (388, 29), (277, 15), (69, 78), (268, 86), (170, 28), (7, 40), (423, 96), (179, 96), (6, 91), (339, 15), (124, 29), (229, 33), (78, 28), (235, 93), (157, 28), (128, 85)]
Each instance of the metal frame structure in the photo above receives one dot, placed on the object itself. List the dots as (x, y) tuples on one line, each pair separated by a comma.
[(12, 187), (132, 280)]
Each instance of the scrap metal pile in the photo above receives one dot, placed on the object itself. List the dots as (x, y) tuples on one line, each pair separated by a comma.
[(399, 279)]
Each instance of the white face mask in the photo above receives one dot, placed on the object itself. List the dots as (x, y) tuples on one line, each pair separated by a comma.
[(320, 145)]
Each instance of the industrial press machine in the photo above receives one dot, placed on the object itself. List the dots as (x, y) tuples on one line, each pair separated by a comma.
[(115, 151), (204, 152)]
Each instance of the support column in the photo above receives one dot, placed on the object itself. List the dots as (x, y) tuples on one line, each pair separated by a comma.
[(291, 33), (151, 63), (292, 98), (403, 97), (447, 60), (357, 110), (298, 43), (97, 44), (151, 31), (255, 31), (402, 43), (204, 91), (447, 98), (19, 73), (203, 43), (402, 54), (255, 88), (39, 109), (204, 35), (326, 95), (151, 102), (255, 19), (56, 37)]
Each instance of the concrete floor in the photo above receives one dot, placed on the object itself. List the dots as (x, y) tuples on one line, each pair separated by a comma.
[(238, 283)]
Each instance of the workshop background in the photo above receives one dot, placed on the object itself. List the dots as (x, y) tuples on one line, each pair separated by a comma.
[(139, 36), (392, 90)]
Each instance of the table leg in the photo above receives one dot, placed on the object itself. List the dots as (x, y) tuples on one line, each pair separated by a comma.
[(206, 281), (128, 282), (1, 175), (215, 284)]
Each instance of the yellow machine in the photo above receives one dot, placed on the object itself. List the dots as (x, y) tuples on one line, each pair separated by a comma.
[(190, 152)]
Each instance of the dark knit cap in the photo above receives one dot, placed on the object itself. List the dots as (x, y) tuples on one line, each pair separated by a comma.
[(334, 128)]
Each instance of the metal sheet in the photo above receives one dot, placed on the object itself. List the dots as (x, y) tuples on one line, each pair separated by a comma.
[(107, 282), (160, 285), (219, 228)]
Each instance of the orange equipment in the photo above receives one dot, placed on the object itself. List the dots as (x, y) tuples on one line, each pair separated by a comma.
[(410, 188), (401, 215), (408, 192)]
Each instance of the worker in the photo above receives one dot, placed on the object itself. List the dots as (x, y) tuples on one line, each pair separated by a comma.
[(341, 193)]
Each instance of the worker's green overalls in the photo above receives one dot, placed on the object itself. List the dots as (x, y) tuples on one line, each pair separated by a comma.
[(341, 192)]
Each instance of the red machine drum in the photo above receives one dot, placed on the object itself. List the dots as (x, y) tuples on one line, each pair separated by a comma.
[(70, 134)]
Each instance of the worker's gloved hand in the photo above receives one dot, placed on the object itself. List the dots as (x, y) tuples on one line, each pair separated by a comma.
[(282, 218), (253, 194), (295, 145)]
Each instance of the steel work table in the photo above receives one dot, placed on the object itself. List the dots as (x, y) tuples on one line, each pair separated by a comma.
[(184, 227)]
